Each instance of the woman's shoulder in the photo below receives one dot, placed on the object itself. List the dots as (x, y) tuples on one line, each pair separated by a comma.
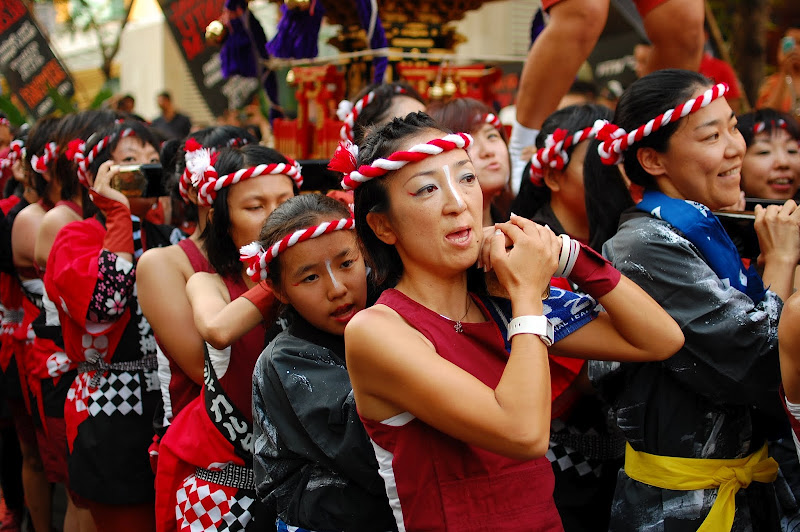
[(155, 260)]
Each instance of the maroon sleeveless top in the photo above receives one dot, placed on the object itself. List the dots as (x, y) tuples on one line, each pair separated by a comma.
[(182, 389), (436, 482)]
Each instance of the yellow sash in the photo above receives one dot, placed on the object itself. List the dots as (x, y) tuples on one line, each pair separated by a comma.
[(686, 474)]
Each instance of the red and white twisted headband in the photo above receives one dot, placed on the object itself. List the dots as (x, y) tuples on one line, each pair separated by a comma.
[(344, 161), (76, 152), (5, 122), (348, 112), (760, 127), (202, 174), (492, 119), (186, 180), (16, 152), (612, 147), (258, 259), (554, 153), (40, 163)]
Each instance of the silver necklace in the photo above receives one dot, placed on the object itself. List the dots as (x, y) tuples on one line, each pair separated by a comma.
[(457, 326)]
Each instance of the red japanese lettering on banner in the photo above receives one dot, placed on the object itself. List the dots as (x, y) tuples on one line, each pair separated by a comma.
[(191, 17), (51, 76), (10, 12)]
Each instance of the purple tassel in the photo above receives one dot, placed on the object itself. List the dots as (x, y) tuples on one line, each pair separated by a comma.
[(378, 40), (244, 46), (297, 33)]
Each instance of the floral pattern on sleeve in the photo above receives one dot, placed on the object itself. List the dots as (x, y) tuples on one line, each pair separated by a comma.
[(112, 294)]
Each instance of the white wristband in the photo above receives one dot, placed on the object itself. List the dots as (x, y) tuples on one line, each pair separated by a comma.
[(538, 325), (570, 249)]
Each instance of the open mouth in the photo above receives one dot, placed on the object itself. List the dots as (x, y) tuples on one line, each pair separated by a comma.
[(460, 237), (344, 313)]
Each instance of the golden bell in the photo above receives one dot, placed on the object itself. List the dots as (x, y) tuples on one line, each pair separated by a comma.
[(302, 5), (436, 92), (449, 87), (290, 79), (215, 32)]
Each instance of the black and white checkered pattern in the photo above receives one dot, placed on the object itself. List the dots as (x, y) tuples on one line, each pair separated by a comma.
[(566, 457), (204, 507), (117, 393)]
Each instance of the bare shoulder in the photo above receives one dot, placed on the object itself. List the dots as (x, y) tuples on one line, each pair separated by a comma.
[(29, 218), (381, 326), (156, 261)]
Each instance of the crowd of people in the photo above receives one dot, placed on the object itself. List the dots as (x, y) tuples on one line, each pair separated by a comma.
[(457, 338)]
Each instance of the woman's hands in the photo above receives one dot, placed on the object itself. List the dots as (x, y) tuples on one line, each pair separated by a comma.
[(525, 269), (778, 230), (102, 185)]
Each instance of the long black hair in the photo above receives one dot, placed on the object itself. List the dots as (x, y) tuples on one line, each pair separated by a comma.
[(41, 133), (222, 252), (606, 195)]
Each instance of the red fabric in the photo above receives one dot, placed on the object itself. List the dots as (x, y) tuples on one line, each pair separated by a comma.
[(119, 226), (444, 483), (180, 452), (642, 6), (265, 301), (721, 72), (11, 295), (6, 204), (772, 84), (52, 441), (594, 274), (70, 278)]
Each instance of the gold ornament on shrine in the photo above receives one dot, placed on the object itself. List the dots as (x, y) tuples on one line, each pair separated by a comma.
[(215, 32), (302, 5), (290, 77)]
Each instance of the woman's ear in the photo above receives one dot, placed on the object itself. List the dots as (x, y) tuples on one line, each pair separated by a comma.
[(551, 179), (651, 161), (382, 227)]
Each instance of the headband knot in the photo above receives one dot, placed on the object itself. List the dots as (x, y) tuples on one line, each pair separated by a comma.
[(611, 151), (398, 159), (199, 162), (40, 163), (345, 157), (257, 258), (16, 152), (554, 153), (493, 120), (344, 109), (348, 112)]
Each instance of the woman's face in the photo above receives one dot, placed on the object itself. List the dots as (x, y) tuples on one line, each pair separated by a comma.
[(436, 209), (251, 201), (703, 160), (489, 155), (131, 150), (325, 280), (569, 182), (771, 166)]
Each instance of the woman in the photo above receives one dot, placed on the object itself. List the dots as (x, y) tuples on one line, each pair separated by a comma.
[(477, 462), (771, 166), (710, 405), (208, 447), (90, 277), (488, 151), (161, 276)]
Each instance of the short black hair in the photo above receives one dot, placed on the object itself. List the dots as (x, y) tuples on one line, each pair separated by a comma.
[(771, 119)]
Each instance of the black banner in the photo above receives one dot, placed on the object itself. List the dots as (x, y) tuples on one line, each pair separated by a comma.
[(28, 63), (187, 20)]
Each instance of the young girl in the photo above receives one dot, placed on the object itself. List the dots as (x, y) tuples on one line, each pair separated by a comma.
[(696, 424), (313, 461), (771, 165), (488, 151), (90, 279), (205, 476), (476, 462)]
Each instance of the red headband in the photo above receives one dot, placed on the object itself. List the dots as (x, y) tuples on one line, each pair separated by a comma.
[(186, 182), (616, 142), (200, 165), (16, 152), (76, 152), (554, 153), (493, 120), (760, 127), (348, 112), (258, 259), (344, 160), (40, 163)]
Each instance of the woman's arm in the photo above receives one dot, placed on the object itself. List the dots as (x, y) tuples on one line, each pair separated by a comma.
[(789, 347), (218, 320), (23, 235), (53, 221), (394, 369), (161, 287)]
